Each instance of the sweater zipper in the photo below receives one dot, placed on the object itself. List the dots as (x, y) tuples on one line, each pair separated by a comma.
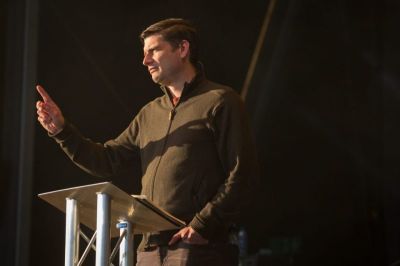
[(171, 116)]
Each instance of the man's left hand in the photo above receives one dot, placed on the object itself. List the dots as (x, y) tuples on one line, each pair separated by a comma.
[(188, 235)]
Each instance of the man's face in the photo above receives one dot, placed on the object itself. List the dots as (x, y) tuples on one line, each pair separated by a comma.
[(162, 60)]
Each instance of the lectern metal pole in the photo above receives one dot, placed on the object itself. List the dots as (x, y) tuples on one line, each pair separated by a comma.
[(126, 246), (79, 204), (71, 233), (103, 230)]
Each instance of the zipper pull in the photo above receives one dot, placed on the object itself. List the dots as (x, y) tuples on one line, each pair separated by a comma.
[(171, 114)]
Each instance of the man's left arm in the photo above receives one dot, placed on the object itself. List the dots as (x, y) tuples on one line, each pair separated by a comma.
[(238, 158)]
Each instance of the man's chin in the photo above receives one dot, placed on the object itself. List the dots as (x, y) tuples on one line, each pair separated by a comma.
[(155, 77), (158, 80)]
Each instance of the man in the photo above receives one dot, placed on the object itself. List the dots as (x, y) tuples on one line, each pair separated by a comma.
[(194, 144)]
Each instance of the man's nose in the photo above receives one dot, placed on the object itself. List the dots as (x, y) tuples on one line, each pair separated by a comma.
[(146, 60)]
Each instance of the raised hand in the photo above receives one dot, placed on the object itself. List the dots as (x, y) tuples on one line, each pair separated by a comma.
[(49, 114)]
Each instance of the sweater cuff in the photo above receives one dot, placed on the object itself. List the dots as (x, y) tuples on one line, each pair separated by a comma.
[(63, 134), (205, 230)]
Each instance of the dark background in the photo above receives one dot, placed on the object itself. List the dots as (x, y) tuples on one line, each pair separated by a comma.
[(323, 104)]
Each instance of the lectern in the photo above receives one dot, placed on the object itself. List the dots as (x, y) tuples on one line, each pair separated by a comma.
[(109, 212)]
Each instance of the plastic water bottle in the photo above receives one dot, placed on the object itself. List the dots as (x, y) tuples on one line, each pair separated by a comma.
[(242, 243)]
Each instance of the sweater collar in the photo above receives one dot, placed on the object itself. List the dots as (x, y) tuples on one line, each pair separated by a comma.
[(188, 86)]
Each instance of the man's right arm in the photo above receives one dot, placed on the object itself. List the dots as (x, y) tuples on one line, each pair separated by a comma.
[(95, 158)]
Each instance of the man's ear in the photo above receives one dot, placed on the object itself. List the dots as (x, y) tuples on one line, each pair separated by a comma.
[(184, 49)]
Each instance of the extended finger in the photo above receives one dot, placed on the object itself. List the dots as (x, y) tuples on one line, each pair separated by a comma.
[(43, 93), (175, 238), (190, 234), (185, 233), (187, 238)]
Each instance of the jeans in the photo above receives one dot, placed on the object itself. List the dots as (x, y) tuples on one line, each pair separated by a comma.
[(184, 254)]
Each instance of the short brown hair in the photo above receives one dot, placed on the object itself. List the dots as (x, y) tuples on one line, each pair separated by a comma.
[(174, 31)]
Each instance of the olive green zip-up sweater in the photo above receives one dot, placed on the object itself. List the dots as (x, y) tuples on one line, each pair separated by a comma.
[(197, 157)]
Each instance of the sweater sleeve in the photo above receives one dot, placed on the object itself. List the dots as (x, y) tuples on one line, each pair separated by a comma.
[(103, 160), (237, 156)]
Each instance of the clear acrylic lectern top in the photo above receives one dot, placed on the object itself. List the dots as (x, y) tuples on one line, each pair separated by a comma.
[(143, 214)]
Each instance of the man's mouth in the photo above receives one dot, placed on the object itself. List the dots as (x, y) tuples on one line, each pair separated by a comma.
[(152, 69)]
